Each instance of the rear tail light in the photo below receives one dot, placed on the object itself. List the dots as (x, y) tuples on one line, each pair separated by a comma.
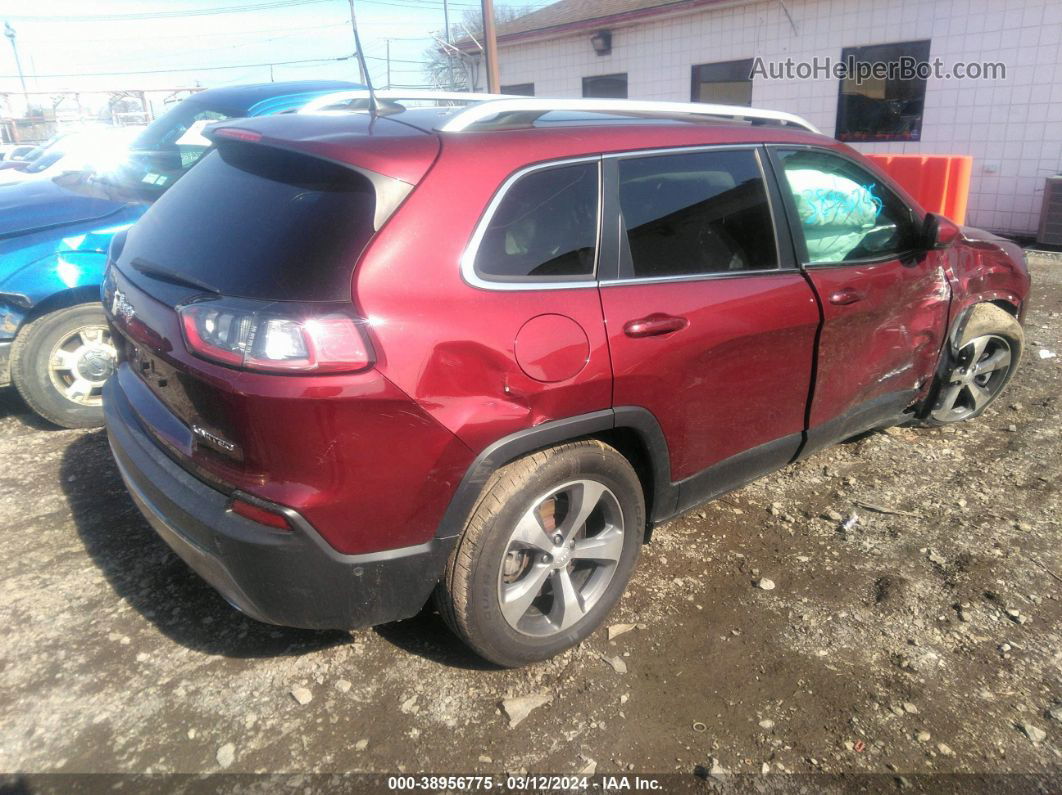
[(276, 337), (258, 514)]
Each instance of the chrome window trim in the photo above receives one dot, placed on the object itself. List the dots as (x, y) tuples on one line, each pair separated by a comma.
[(758, 151), (699, 277), (468, 257), (677, 150)]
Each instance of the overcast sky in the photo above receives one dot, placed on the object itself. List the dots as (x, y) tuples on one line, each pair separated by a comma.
[(71, 44)]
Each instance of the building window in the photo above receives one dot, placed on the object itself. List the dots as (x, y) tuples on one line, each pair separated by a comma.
[(606, 86), (882, 108), (520, 89), (728, 82)]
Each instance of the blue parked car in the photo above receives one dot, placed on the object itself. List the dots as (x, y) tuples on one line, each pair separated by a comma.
[(54, 234)]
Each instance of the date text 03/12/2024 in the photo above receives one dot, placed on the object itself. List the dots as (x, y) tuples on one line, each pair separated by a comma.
[(528, 783)]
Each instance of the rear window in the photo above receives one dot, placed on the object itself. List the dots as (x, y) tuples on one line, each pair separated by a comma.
[(545, 227), (255, 222)]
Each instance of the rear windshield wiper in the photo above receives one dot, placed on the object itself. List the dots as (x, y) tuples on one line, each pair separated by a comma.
[(166, 275)]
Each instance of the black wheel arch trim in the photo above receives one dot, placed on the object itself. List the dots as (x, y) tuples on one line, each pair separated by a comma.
[(958, 326), (85, 294), (511, 447), (950, 350)]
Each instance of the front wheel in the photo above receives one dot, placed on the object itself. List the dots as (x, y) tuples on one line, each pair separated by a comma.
[(547, 553), (988, 353), (60, 362)]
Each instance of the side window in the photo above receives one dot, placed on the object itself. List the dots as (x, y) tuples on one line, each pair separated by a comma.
[(845, 213), (545, 227), (696, 213)]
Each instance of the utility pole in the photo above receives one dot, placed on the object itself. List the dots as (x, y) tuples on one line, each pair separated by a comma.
[(388, 62), (10, 33), (354, 27), (449, 54), (489, 33)]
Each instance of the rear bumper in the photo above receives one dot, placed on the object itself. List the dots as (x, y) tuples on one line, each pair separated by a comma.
[(291, 578)]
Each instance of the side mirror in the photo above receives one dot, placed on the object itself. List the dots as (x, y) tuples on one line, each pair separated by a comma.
[(939, 232)]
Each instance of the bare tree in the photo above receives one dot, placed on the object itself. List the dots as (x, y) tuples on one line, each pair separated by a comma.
[(454, 68)]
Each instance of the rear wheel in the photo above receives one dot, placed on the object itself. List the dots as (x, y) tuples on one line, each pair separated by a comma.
[(60, 362), (988, 353), (547, 553)]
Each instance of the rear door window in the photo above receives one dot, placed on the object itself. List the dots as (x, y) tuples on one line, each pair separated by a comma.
[(695, 213), (256, 222), (544, 228)]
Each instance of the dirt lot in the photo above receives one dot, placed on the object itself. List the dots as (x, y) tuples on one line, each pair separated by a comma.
[(925, 638)]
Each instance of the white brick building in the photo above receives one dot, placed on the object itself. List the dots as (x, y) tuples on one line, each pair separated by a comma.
[(1012, 127)]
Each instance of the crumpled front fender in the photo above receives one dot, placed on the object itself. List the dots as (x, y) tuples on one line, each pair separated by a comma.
[(985, 268)]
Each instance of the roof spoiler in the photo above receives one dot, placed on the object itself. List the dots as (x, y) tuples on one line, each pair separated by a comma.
[(390, 191)]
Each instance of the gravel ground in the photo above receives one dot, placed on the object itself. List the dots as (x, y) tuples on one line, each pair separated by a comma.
[(925, 638)]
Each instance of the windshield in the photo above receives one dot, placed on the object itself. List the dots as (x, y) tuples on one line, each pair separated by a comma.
[(38, 150), (44, 160), (102, 149), (168, 128), (167, 148)]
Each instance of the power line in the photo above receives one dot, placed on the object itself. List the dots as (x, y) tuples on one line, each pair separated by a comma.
[(410, 38), (430, 5), (43, 43), (396, 60), (437, 4), (192, 68), (433, 5), (160, 58), (194, 12), (238, 9)]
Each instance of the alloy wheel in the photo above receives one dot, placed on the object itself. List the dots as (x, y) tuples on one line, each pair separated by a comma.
[(980, 372), (560, 558)]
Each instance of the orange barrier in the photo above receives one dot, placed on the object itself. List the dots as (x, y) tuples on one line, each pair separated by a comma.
[(940, 183)]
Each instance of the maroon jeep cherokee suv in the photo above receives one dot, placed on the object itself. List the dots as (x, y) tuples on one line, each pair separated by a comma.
[(365, 358)]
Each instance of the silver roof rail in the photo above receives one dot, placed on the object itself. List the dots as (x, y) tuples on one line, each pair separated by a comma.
[(537, 106), (318, 104)]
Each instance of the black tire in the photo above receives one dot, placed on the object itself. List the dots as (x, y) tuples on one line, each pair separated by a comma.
[(469, 596), (30, 366), (985, 320)]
